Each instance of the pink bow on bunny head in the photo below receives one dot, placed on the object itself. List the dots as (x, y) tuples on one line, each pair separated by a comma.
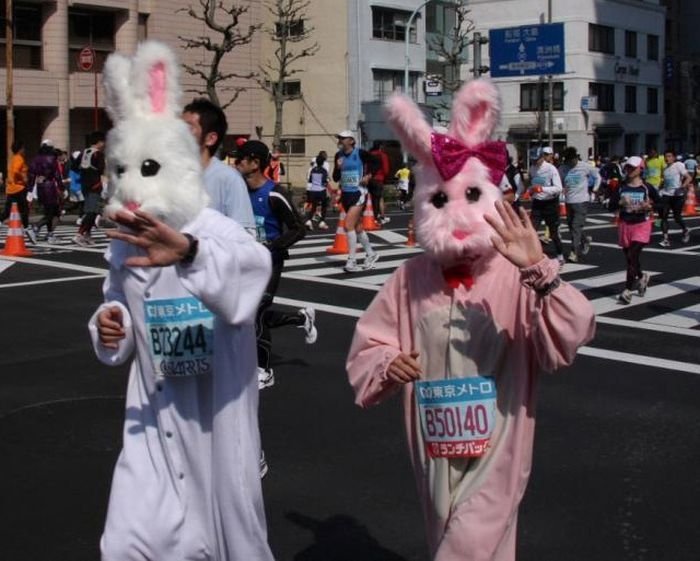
[(450, 155)]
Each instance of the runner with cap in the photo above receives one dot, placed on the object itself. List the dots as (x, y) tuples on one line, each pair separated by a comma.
[(676, 181), (351, 169)]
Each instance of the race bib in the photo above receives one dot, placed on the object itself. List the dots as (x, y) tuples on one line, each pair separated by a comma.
[(260, 234), (349, 178), (457, 416), (180, 336)]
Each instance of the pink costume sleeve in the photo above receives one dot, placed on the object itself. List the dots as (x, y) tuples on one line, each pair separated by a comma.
[(560, 320), (381, 334)]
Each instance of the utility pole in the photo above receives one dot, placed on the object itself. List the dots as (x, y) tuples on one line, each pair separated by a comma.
[(9, 103), (478, 40), (406, 58), (550, 87)]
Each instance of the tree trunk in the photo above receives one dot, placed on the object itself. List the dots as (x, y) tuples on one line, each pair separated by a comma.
[(279, 102)]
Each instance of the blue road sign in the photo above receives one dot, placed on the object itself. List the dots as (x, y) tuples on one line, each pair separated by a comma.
[(529, 50)]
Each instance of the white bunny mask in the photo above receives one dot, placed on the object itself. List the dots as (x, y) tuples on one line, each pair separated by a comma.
[(456, 181), (153, 161)]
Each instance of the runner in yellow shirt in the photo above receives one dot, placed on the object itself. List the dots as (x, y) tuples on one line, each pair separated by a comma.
[(654, 168), (403, 176)]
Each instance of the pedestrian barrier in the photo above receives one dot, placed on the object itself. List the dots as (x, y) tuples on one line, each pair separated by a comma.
[(340, 242), (411, 241), (14, 244), (690, 203), (369, 224)]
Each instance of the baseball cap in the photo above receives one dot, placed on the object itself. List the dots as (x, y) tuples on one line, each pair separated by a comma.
[(634, 162), (47, 142), (346, 134), (536, 153), (547, 150), (254, 149)]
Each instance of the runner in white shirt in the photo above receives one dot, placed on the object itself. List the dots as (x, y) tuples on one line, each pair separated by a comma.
[(545, 188), (673, 190)]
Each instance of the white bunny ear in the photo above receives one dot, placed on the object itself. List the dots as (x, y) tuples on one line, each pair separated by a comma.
[(115, 79), (476, 110), (154, 80), (409, 124)]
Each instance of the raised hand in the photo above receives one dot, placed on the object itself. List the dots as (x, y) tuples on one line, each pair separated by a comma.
[(516, 238), (163, 245)]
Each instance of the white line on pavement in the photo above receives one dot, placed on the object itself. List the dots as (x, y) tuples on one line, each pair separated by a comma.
[(389, 236), (674, 288), (640, 359), (51, 281), (647, 326), (4, 265), (684, 317), (57, 265), (603, 280), (357, 282), (338, 310)]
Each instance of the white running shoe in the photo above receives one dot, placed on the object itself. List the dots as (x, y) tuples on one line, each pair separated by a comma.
[(322, 225), (309, 225), (351, 266), (266, 378), (309, 325), (79, 221), (370, 260), (52, 239), (587, 240), (31, 234), (665, 243), (642, 284), (686, 236), (572, 257), (625, 296)]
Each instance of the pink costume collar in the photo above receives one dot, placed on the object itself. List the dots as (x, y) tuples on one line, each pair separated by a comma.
[(449, 155)]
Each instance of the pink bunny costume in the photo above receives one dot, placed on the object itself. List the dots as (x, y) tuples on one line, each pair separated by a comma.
[(483, 328), (186, 485)]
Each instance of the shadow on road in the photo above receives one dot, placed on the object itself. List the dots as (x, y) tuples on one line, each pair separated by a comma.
[(340, 538)]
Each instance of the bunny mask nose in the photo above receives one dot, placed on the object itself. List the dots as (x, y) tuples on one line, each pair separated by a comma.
[(460, 234), (132, 206)]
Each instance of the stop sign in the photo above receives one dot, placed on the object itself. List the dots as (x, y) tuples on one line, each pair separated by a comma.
[(86, 59)]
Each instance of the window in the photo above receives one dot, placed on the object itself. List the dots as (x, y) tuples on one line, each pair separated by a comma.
[(534, 96), (391, 25), (291, 88), (601, 39), (143, 27), (631, 141), (630, 99), (95, 29), (652, 101), (294, 146), (385, 82), (605, 94), (26, 36), (440, 17), (631, 44), (293, 28), (652, 47)]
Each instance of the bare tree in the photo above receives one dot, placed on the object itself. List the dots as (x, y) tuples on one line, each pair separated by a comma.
[(450, 47), (225, 23), (291, 32)]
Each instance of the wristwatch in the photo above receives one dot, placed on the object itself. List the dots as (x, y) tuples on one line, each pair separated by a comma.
[(191, 251)]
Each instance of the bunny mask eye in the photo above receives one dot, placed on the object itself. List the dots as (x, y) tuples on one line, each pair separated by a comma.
[(149, 168), (473, 194), (439, 199), (119, 170)]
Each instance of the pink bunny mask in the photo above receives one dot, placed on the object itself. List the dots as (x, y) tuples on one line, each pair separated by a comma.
[(456, 181)]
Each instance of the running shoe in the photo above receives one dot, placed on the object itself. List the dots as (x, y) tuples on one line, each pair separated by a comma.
[(309, 225), (80, 240), (322, 225), (686, 236), (79, 221), (572, 257), (385, 220), (370, 260), (665, 243), (561, 260), (642, 284), (351, 266), (266, 378), (51, 239), (309, 327), (625, 297), (31, 234), (587, 240)]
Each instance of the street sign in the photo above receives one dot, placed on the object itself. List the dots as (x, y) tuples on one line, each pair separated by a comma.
[(589, 103), (528, 50), (432, 86), (86, 59)]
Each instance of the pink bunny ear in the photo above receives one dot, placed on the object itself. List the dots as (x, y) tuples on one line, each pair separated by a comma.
[(475, 112), (409, 124), (154, 79), (157, 87)]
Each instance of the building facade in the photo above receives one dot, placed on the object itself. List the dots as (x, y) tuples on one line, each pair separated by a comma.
[(54, 98), (613, 52)]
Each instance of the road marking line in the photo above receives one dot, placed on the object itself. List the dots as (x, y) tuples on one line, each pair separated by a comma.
[(647, 326), (597, 220), (319, 259), (50, 281), (674, 288), (377, 279), (57, 265), (389, 236), (325, 271), (684, 317), (338, 310), (630, 358), (603, 280), (576, 267), (4, 265), (358, 282)]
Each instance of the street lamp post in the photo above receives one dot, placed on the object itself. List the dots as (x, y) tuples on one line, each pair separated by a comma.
[(407, 60)]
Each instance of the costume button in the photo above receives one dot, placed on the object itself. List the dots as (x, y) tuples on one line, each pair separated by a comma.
[(181, 476), (159, 387), (147, 294), (169, 434)]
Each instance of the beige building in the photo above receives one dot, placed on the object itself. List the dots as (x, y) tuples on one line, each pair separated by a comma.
[(54, 98)]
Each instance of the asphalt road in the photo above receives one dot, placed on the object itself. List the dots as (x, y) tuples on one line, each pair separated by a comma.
[(616, 452)]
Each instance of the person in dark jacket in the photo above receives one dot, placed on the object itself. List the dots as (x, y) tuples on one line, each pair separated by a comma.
[(278, 227), (45, 173)]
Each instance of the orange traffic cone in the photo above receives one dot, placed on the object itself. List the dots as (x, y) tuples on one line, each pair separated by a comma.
[(14, 245), (562, 209), (411, 241), (369, 224), (340, 243), (690, 202)]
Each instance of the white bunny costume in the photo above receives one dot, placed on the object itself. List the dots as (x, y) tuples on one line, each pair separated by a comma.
[(186, 485)]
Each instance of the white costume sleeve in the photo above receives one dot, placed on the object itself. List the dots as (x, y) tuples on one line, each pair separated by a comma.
[(230, 271)]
